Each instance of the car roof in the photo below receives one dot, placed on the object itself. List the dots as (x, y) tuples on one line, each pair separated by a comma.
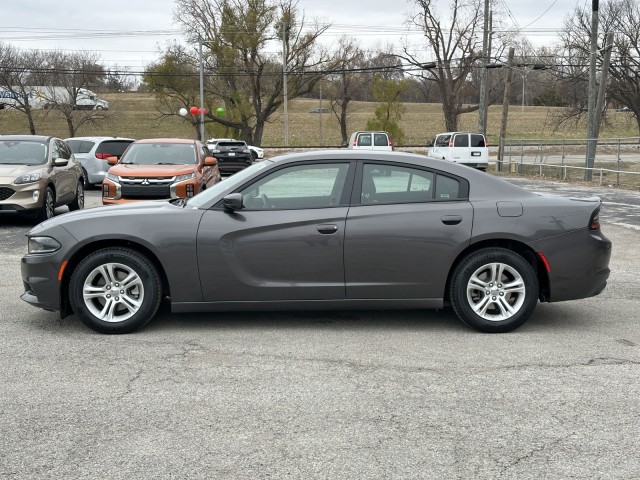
[(99, 139), (166, 140), (26, 138), (453, 133)]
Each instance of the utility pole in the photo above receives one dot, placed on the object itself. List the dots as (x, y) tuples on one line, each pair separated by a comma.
[(320, 109), (604, 76), (201, 91), (505, 106), (591, 128), (488, 79), (284, 80), (482, 104)]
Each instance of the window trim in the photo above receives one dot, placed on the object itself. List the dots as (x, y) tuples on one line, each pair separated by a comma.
[(357, 186), (344, 198)]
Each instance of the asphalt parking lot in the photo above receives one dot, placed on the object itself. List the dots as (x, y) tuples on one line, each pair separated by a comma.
[(359, 394)]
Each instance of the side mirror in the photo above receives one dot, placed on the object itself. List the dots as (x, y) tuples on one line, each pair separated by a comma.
[(210, 161), (112, 161), (60, 162), (232, 202)]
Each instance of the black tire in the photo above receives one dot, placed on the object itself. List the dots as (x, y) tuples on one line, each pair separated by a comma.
[(145, 288), (47, 210), (254, 156), (504, 308), (78, 201), (85, 179)]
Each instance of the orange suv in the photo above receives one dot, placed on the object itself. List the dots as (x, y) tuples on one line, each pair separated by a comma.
[(159, 168)]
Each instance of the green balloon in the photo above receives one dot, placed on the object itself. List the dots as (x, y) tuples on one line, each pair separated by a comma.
[(219, 111)]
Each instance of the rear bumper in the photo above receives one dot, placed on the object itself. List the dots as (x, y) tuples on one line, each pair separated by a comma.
[(579, 263), (227, 164)]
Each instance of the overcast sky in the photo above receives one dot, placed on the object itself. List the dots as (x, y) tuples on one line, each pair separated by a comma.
[(65, 25)]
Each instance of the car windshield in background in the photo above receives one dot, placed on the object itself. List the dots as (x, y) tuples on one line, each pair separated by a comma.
[(22, 153), (80, 146), (160, 154), (232, 145)]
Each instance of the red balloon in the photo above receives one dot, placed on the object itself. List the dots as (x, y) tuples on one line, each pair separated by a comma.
[(204, 111), (194, 110)]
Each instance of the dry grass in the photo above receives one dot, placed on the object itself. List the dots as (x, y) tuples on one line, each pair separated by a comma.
[(134, 115)]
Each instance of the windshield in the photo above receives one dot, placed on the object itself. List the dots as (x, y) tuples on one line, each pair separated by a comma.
[(15, 152), (160, 154), (230, 183)]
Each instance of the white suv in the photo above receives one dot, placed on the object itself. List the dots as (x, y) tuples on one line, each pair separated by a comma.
[(93, 152), (465, 148), (370, 141)]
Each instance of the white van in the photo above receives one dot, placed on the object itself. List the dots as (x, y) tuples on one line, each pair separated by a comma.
[(370, 141), (465, 148)]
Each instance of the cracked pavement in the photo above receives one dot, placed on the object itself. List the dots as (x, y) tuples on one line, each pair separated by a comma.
[(304, 395)]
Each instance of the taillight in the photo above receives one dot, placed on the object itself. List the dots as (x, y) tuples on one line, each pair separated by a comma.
[(103, 156), (594, 221), (355, 140), (451, 141)]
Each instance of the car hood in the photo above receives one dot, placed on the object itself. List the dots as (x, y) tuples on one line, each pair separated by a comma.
[(107, 213), (125, 170), (8, 173)]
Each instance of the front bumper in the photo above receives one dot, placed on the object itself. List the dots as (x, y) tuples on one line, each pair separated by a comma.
[(113, 192), (25, 198)]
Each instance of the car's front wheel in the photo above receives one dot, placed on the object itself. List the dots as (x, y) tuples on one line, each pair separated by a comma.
[(494, 290), (115, 290), (47, 210)]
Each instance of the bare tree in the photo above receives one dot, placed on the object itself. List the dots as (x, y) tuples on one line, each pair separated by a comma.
[(16, 68), (64, 79), (344, 80), (454, 46), (621, 17), (247, 79)]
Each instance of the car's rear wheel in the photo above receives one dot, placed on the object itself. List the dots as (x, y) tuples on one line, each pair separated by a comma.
[(85, 178), (115, 290), (494, 290), (78, 201), (48, 205), (254, 156)]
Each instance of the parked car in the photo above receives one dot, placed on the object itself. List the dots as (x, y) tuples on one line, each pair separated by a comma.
[(38, 174), (325, 230), (93, 152), (379, 141), (257, 153), (232, 155), (470, 149), (159, 168)]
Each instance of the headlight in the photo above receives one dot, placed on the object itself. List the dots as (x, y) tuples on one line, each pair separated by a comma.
[(28, 178), (186, 176), (43, 245), (112, 177)]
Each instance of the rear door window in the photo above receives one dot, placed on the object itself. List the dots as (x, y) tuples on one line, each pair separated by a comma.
[(364, 140), (461, 140), (477, 140), (380, 140), (448, 188), (442, 141), (386, 184)]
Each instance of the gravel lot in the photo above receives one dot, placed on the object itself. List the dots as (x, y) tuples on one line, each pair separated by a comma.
[(342, 395)]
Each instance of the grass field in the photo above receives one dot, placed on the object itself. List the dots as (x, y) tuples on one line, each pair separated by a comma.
[(134, 115)]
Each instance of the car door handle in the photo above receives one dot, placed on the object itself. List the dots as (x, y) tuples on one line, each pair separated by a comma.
[(451, 219), (327, 229)]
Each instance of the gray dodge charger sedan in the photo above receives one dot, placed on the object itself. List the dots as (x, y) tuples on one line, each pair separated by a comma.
[(324, 230)]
